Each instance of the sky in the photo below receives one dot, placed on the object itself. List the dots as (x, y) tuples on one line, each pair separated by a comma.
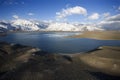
[(59, 10)]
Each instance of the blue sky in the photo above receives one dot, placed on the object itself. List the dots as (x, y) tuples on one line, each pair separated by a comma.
[(47, 9)]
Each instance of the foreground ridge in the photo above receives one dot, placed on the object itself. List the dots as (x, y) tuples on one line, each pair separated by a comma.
[(18, 62)]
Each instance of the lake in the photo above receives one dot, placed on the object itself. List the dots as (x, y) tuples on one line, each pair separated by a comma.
[(56, 42)]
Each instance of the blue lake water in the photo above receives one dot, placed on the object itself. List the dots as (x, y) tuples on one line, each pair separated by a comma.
[(56, 42)]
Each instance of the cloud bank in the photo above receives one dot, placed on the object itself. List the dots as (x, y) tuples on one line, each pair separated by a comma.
[(94, 16), (111, 23), (114, 18), (71, 11)]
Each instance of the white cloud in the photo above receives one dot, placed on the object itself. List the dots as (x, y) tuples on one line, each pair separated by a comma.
[(113, 18), (111, 23), (94, 16), (106, 14), (71, 11), (15, 16), (30, 14)]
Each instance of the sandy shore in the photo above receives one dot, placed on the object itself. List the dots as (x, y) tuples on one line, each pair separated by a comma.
[(101, 35), (105, 59)]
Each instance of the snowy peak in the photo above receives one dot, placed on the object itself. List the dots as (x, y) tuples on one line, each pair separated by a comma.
[(28, 25), (71, 27), (90, 27), (4, 24), (61, 27), (24, 25), (109, 23)]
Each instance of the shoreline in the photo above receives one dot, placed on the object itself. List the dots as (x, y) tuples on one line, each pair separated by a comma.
[(99, 35)]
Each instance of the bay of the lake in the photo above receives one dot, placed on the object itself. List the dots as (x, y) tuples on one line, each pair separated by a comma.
[(56, 42)]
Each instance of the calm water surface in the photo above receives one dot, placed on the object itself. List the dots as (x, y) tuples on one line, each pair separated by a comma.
[(56, 42)]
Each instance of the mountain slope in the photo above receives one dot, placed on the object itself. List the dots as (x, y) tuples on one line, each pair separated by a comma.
[(24, 25), (28, 25)]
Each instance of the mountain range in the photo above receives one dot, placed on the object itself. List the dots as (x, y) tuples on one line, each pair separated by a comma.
[(32, 25)]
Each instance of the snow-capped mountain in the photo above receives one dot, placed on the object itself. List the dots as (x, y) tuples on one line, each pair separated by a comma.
[(31, 25), (88, 27), (6, 26), (19, 24), (55, 26), (25, 25)]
